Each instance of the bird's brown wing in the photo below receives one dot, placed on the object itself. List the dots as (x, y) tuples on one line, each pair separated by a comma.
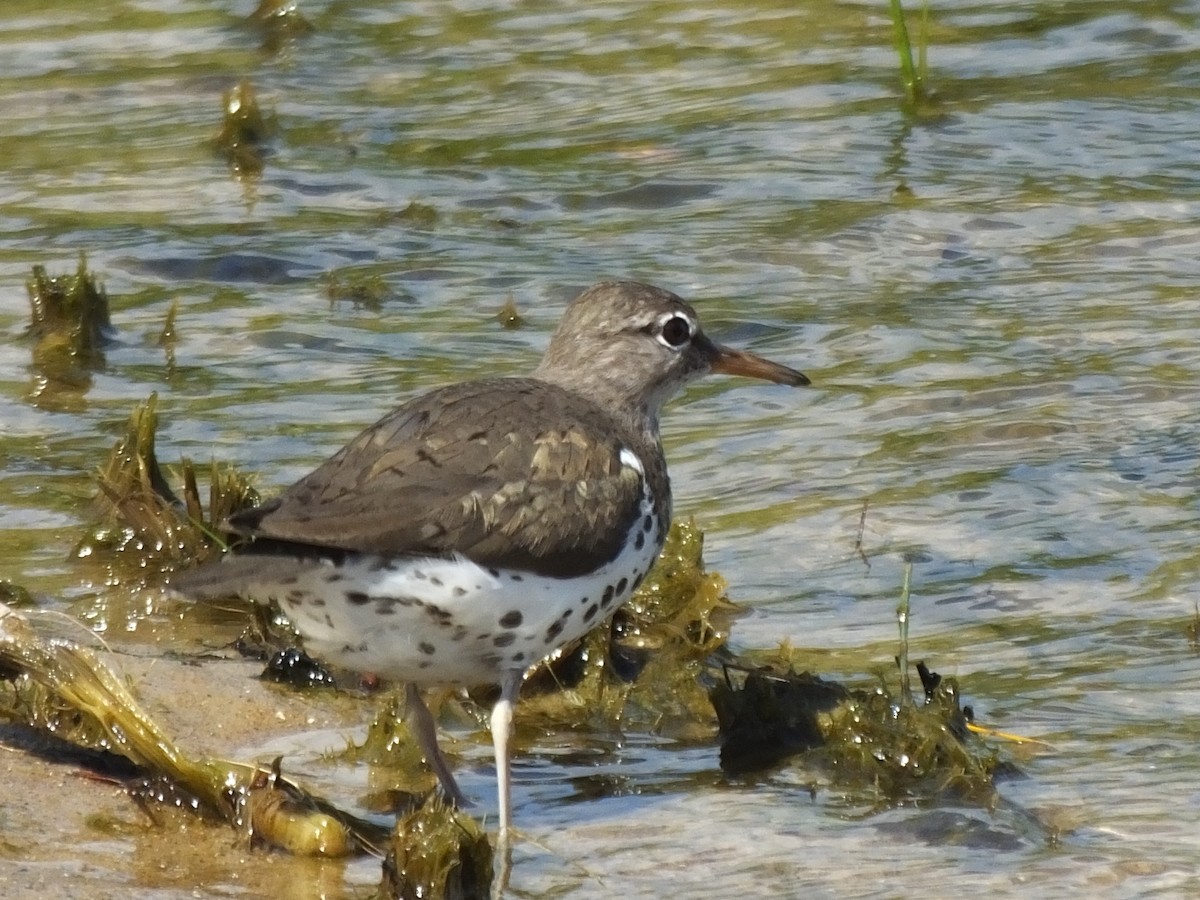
[(534, 480)]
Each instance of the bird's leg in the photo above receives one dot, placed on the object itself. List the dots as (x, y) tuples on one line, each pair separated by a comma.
[(502, 715), (425, 730)]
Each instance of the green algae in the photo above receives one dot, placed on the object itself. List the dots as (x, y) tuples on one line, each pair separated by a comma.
[(142, 528), (71, 325), (398, 769), (881, 743), (437, 851)]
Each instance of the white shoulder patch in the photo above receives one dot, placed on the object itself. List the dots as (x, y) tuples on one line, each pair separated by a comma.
[(630, 460)]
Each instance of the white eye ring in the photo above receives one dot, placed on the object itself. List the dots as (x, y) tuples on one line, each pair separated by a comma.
[(675, 330)]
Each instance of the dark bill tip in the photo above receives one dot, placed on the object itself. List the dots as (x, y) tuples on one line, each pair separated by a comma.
[(729, 361)]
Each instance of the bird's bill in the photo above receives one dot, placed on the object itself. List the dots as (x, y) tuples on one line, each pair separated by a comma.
[(730, 361)]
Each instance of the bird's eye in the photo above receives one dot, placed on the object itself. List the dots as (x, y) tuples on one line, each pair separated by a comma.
[(675, 331)]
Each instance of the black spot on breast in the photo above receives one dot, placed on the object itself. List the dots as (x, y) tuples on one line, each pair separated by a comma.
[(516, 577), (648, 524), (519, 657), (640, 541), (427, 648), (566, 615), (436, 582), (358, 598), (591, 612), (424, 664), (294, 601), (621, 585), (289, 579), (419, 574), (495, 573), (503, 640), (314, 601), (637, 580), (460, 632), (335, 576), (460, 592), (608, 596), (440, 615), (511, 619), (553, 631)]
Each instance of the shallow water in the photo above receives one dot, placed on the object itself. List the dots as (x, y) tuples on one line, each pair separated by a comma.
[(996, 302)]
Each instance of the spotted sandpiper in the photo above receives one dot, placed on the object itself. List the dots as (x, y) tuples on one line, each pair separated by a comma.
[(473, 531)]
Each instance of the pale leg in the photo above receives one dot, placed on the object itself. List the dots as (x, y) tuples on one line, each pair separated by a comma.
[(425, 730), (502, 714)]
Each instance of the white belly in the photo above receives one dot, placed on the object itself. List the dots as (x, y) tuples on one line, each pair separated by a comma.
[(450, 621)]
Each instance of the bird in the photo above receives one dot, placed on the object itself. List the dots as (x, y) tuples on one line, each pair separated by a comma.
[(476, 529)]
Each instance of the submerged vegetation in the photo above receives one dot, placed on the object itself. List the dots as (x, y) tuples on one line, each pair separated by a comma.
[(368, 290)]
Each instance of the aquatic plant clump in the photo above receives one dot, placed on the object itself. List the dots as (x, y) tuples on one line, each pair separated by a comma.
[(143, 529), (876, 743), (71, 326), (245, 130)]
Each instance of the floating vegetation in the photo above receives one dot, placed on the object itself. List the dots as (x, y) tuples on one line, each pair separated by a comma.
[(881, 742), (281, 23), (71, 312), (245, 131), (913, 74), (143, 528), (70, 322), (63, 685), (437, 851)]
